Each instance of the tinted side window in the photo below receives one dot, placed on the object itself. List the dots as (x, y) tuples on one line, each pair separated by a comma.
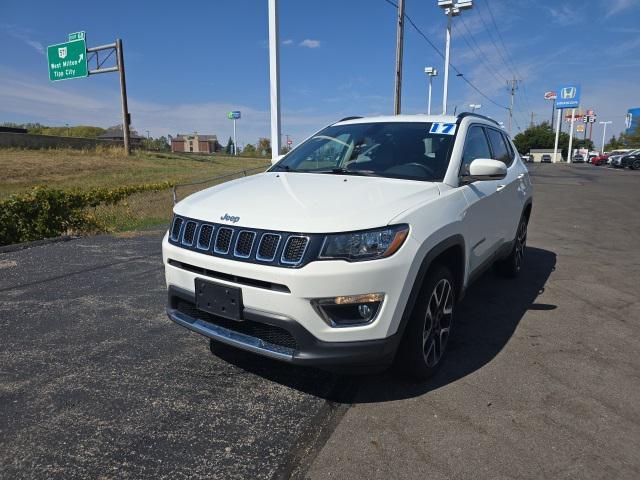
[(512, 152), (498, 146), (475, 146)]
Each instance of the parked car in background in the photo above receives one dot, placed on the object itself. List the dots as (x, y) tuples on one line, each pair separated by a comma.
[(600, 160), (631, 160), (591, 157), (615, 156), (546, 158), (578, 158), (526, 158)]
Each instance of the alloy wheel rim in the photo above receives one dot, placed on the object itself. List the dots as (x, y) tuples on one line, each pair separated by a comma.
[(521, 242), (437, 323)]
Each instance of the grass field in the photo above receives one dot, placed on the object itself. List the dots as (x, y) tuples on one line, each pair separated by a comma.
[(67, 169)]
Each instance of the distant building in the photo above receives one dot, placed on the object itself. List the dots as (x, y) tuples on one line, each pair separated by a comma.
[(116, 134), (536, 154), (195, 143)]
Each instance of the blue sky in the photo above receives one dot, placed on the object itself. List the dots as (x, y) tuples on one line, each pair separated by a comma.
[(188, 63)]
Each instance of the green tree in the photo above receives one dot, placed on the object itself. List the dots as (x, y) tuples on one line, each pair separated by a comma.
[(264, 146), (614, 143), (249, 150), (229, 148)]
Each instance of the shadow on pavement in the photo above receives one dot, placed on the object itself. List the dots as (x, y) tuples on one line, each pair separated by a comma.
[(485, 321)]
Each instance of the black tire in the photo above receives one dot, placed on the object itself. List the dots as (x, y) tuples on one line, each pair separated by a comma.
[(635, 165), (425, 339), (511, 265)]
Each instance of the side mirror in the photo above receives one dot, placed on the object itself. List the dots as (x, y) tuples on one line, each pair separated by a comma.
[(485, 169), (276, 159)]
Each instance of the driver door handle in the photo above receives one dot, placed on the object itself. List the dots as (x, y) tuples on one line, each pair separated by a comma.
[(521, 176), (500, 187)]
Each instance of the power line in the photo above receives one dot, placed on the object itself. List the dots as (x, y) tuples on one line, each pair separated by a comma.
[(422, 34), (477, 48)]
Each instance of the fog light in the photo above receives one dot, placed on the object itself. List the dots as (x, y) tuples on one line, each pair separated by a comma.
[(349, 310), (365, 311)]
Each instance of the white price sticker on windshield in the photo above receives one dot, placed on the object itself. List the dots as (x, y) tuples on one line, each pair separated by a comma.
[(443, 128)]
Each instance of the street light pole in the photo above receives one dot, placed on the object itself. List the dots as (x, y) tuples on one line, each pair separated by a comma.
[(274, 78), (451, 10), (397, 97), (604, 133), (446, 62), (431, 72)]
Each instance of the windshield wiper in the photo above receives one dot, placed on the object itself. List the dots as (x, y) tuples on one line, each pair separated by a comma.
[(344, 171)]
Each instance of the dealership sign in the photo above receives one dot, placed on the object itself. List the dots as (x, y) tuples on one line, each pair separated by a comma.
[(550, 95), (568, 96), (234, 115)]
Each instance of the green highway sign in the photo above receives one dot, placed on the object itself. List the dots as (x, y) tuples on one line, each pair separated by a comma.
[(77, 36), (67, 60)]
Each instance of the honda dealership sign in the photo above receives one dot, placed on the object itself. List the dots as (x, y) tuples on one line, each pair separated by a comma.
[(568, 96)]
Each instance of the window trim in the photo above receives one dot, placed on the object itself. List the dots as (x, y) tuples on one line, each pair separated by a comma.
[(486, 137), (507, 144)]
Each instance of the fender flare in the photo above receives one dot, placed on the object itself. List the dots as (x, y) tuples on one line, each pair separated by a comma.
[(456, 240)]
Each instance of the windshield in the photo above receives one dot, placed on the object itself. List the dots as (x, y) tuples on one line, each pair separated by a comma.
[(392, 149)]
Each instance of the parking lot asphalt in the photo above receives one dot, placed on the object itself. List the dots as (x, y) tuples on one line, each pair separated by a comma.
[(542, 379), (96, 382)]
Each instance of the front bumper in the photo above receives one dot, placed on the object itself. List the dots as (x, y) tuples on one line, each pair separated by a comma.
[(304, 349)]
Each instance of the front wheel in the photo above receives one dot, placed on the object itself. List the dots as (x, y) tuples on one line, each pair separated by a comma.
[(635, 165), (510, 267), (426, 336)]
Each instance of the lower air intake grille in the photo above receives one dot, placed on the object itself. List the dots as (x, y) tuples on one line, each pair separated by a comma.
[(223, 240), (204, 239), (294, 250), (263, 331), (189, 233), (268, 246)]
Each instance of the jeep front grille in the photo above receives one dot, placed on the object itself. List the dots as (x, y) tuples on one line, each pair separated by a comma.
[(280, 249), (244, 243), (294, 250), (223, 240), (189, 232)]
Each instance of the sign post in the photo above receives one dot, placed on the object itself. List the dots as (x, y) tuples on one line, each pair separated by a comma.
[(568, 96), (234, 115), (70, 60)]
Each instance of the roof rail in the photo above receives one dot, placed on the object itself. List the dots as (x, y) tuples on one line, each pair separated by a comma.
[(348, 118), (472, 114)]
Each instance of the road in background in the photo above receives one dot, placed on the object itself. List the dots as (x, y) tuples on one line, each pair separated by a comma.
[(541, 380)]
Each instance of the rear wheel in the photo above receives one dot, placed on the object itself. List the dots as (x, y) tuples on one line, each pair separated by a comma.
[(426, 336), (510, 267), (635, 165)]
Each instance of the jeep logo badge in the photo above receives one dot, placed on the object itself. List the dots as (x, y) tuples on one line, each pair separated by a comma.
[(229, 218)]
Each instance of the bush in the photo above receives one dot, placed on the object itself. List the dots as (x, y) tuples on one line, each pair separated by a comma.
[(45, 212)]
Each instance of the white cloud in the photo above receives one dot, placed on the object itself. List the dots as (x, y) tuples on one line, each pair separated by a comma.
[(310, 43), (27, 99), (22, 35), (288, 41), (616, 6)]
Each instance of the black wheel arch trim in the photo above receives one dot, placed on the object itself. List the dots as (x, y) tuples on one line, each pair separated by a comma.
[(456, 240)]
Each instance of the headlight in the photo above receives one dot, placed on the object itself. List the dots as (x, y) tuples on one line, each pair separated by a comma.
[(364, 245)]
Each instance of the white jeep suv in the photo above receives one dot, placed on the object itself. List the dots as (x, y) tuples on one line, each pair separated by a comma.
[(353, 249)]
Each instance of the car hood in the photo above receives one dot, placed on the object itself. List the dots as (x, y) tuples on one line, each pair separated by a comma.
[(306, 202)]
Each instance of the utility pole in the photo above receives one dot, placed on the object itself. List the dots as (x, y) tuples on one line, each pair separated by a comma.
[(513, 86), (274, 78), (532, 122), (397, 100), (604, 133)]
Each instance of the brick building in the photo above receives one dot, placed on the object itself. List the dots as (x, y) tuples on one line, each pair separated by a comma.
[(195, 143)]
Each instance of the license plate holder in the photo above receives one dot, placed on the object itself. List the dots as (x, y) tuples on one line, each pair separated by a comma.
[(217, 299)]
